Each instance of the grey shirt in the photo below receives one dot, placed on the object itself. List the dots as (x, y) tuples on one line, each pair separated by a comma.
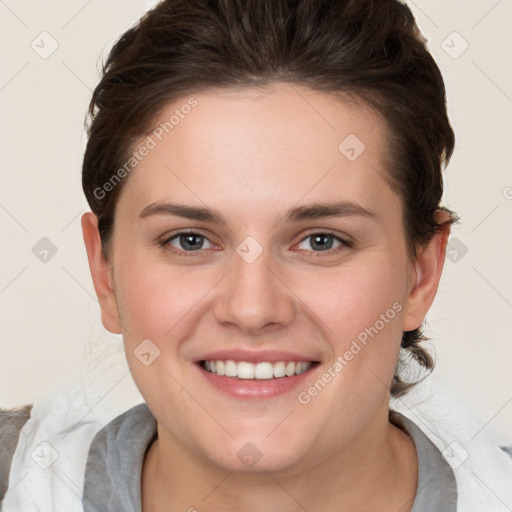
[(114, 465)]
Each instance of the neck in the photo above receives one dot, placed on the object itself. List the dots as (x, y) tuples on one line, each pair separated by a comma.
[(378, 471)]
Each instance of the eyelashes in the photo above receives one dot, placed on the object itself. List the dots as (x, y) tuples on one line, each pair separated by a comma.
[(192, 240)]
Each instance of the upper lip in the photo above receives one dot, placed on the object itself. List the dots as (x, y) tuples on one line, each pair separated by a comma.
[(254, 356)]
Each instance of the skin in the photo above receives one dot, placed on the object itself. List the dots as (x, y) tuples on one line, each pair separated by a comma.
[(252, 155)]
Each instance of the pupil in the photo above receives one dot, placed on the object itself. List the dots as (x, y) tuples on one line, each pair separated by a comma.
[(185, 240), (324, 245)]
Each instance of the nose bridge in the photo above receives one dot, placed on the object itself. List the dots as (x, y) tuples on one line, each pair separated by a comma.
[(254, 295)]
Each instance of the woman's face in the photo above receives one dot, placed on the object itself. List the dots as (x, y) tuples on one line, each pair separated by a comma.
[(259, 279)]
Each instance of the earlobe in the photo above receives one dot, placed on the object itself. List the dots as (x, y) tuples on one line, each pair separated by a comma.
[(101, 274), (427, 271)]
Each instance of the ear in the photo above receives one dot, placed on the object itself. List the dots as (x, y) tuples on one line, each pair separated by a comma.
[(101, 274), (427, 274)]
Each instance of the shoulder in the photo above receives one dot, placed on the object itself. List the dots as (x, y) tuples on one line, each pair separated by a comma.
[(11, 423)]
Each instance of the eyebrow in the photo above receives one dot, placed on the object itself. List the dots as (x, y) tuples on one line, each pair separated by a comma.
[(297, 214)]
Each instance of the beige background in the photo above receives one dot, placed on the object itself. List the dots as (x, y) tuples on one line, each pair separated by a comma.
[(50, 325)]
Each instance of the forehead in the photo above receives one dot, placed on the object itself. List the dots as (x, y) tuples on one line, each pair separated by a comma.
[(264, 147)]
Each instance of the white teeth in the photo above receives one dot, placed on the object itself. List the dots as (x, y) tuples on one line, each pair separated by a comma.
[(245, 370), (230, 368), (302, 367), (279, 369), (220, 367), (264, 370)]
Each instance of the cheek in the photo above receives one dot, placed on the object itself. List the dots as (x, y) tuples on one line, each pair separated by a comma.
[(157, 303), (352, 299), (361, 308), (155, 297)]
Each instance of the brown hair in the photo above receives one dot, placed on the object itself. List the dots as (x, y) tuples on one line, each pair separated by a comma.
[(369, 50)]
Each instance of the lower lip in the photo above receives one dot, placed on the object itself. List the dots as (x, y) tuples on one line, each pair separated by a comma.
[(256, 388)]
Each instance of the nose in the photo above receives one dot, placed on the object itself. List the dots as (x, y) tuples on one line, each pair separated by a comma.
[(254, 296)]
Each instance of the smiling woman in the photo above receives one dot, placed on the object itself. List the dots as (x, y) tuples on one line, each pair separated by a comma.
[(269, 257)]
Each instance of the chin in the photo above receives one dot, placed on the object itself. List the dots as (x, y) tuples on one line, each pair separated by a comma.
[(257, 455)]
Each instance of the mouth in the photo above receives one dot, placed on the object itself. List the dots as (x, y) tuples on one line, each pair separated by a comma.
[(256, 380), (264, 370)]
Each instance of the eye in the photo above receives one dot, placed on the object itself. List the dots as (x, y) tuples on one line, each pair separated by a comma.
[(189, 242), (323, 242), (185, 241)]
